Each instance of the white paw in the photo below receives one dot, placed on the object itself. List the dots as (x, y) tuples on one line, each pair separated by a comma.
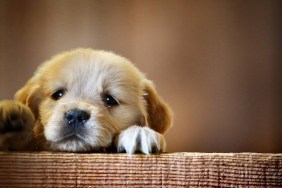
[(140, 139)]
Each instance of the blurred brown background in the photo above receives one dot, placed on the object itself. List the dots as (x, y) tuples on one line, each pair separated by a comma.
[(217, 63)]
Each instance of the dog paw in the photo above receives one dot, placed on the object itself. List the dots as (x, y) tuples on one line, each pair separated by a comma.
[(140, 139), (16, 124)]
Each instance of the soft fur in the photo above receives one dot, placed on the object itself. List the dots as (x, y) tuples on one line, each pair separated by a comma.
[(136, 124)]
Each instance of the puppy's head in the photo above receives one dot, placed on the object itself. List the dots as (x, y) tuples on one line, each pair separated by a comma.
[(83, 98)]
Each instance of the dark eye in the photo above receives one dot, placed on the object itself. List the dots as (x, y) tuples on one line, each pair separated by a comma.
[(110, 101), (58, 94)]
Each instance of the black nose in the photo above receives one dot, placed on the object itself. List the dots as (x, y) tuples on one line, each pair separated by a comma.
[(76, 117)]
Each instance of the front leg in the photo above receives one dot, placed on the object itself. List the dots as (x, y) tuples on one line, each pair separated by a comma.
[(140, 139), (16, 127)]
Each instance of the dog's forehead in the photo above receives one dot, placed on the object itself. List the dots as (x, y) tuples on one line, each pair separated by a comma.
[(87, 74)]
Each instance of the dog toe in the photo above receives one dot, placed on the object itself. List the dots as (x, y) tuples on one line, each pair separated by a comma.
[(14, 117), (140, 139)]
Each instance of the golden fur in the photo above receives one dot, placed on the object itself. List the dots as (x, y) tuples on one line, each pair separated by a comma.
[(86, 77), (16, 116)]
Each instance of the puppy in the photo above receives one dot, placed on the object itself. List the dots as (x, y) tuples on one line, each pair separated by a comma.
[(86, 100)]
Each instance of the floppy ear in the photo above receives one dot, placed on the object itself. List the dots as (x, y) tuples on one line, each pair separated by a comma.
[(30, 96), (159, 115)]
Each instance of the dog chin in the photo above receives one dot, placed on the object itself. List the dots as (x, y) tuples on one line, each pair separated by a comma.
[(91, 140), (78, 145)]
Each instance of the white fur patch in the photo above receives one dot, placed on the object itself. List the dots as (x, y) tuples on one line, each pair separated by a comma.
[(142, 139)]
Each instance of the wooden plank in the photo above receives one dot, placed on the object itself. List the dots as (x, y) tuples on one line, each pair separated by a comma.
[(119, 170)]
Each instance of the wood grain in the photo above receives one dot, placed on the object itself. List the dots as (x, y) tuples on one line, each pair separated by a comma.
[(120, 170)]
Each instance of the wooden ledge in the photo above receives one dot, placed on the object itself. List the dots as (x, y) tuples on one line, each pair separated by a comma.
[(119, 170)]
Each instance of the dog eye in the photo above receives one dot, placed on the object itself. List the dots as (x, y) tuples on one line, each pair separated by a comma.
[(58, 94), (110, 101)]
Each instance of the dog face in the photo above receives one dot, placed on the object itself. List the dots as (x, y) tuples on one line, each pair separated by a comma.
[(84, 98)]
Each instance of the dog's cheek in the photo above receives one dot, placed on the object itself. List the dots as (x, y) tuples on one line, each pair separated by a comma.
[(52, 118), (126, 116), (46, 109), (103, 123)]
